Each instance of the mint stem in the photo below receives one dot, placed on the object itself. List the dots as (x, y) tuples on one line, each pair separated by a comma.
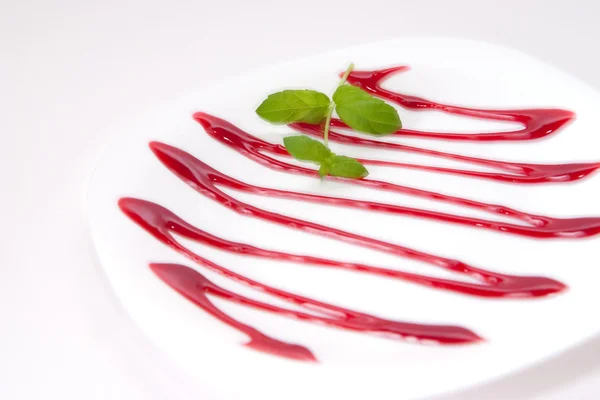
[(332, 106), (346, 74), (327, 122)]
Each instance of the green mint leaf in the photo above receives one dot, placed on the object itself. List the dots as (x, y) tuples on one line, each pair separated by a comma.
[(365, 113), (304, 148), (346, 167), (290, 106)]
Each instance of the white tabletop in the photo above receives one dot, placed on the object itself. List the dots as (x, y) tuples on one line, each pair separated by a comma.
[(72, 70)]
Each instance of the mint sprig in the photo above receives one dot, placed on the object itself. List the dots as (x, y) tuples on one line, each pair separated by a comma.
[(365, 113), (290, 106), (304, 148), (332, 104), (346, 167), (357, 108)]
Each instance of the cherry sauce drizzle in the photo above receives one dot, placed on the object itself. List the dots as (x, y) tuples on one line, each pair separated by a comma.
[(537, 123), (538, 226), (160, 222)]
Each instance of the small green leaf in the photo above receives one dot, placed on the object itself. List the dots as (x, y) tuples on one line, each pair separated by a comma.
[(290, 106), (346, 167), (304, 148), (365, 113)]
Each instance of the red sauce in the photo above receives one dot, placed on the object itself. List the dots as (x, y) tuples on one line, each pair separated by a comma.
[(254, 148), (506, 171), (537, 123), (162, 223)]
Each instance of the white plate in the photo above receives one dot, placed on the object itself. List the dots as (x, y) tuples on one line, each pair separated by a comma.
[(352, 365)]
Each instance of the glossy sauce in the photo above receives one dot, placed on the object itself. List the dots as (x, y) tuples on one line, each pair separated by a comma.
[(161, 223), (537, 123)]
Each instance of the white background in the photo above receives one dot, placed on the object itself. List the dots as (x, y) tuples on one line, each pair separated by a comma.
[(72, 71)]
